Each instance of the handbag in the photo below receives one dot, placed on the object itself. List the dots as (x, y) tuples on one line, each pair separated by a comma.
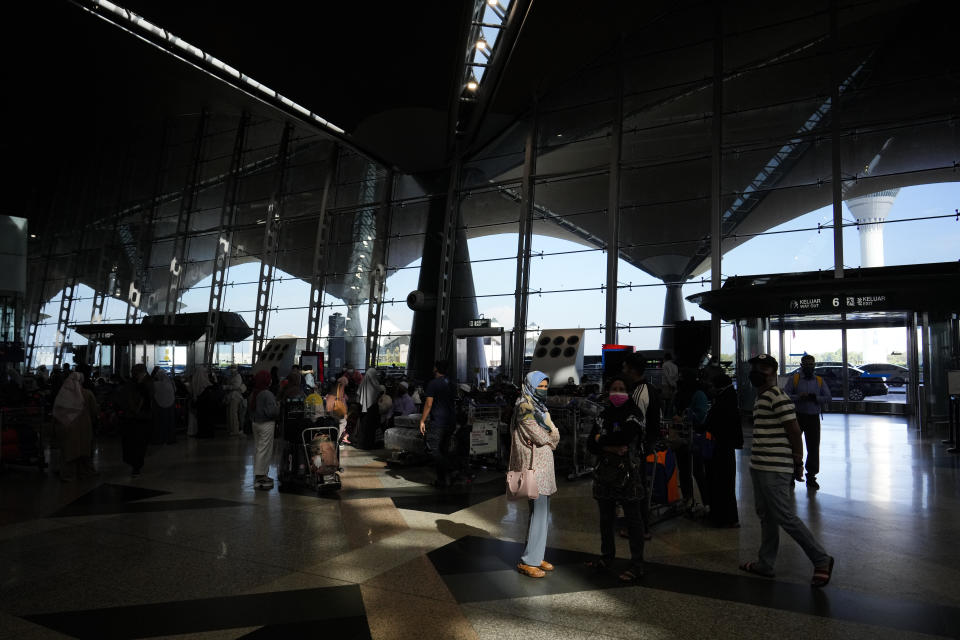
[(523, 484), (335, 404)]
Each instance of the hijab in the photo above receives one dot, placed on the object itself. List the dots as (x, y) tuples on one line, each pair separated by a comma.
[(369, 389), (163, 393), (69, 403), (540, 412), (200, 381), (261, 382), (292, 388)]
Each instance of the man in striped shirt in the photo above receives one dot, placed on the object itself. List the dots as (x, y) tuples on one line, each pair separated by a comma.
[(776, 459)]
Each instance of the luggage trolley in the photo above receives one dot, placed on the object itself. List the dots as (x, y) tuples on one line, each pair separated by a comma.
[(486, 424), (311, 454), (572, 455)]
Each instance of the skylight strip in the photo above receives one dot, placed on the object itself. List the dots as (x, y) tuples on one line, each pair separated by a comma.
[(145, 25)]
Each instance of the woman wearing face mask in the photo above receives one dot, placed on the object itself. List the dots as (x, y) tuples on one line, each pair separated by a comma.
[(534, 436), (616, 440)]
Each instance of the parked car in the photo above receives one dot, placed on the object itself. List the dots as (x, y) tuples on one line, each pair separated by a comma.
[(861, 383), (893, 374)]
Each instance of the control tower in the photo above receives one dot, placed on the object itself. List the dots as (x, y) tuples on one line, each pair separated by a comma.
[(870, 212)]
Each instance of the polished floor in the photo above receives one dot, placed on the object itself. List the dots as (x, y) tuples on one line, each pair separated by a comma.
[(191, 550)]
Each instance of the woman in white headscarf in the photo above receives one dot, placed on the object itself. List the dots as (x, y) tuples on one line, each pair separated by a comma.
[(233, 390), (366, 435), (164, 413), (74, 412)]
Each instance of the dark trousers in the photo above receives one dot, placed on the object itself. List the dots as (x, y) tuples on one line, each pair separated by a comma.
[(133, 439), (438, 446), (690, 467), (608, 517), (722, 478), (810, 425)]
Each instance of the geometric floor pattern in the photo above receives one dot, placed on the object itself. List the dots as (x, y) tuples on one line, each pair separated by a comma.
[(191, 550)]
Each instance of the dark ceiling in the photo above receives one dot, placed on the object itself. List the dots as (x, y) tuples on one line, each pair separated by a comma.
[(389, 75)]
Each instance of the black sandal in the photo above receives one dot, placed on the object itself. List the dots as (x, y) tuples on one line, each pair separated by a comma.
[(599, 565)]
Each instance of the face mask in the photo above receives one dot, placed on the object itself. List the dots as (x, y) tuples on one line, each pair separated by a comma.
[(758, 378), (540, 393), (618, 399), (807, 372)]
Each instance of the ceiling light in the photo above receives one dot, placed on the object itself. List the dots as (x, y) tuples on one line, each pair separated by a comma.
[(493, 3), (481, 43), (33, 235), (472, 82)]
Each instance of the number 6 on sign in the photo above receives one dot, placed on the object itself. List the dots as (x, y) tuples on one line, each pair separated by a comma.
[(836, 302)]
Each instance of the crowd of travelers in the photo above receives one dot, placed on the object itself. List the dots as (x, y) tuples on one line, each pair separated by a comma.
[(635, 416), (153, 408)]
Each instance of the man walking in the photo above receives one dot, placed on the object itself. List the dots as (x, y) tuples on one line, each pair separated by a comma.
[(776, 459), (439, 408), (810, 395)]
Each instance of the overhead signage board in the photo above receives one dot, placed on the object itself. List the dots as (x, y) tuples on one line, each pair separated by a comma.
[(840, 303), (479, 323)]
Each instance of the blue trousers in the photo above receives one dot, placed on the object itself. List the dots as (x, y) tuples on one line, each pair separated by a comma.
[(537, 531), (771, 492)]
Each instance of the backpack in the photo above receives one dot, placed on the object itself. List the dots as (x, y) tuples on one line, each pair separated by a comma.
[(796, 380)]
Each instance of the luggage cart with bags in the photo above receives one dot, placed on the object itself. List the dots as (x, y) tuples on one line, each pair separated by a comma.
[(310, 456), (663, 472)]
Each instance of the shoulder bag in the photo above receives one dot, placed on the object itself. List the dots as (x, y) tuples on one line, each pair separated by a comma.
[(523, 484)]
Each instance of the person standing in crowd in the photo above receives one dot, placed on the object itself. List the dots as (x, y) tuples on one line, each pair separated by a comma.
[(403, 403), (55, 380), (75, 411), (671, 381), (385, 407), (340, 391), (811, 397), (439, 409), (137, 422), (291, 390), (164, 412), (775, 461), (42, 376), (649, 403), (199, 381), (692, 405), (206, 397), (365, 433), (233, 390), (616, 442), (309, 381), (723, 423), (644, 396), (263, 413), (275, 381), (533, 439)]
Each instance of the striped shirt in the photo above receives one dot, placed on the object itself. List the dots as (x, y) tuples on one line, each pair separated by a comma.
[(771, 448)]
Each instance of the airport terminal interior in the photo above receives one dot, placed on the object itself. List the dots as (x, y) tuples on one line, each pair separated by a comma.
[(204, 199)]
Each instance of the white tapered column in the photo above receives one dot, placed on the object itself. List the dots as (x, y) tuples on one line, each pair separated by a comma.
[(870, 212)]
